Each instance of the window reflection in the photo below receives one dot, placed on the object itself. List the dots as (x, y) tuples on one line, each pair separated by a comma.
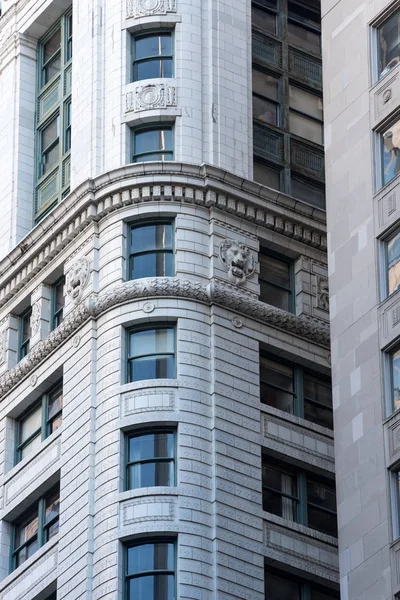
[(390, 152), (388, 44), (396, 379), (393, 259)]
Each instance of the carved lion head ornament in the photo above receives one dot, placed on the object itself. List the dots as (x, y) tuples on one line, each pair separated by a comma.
[(77, 278), (238, 261)]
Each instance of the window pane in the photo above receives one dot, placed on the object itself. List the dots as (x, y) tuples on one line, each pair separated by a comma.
[(317, 390), (279, 588), (55, 403), (305, 128), (151, 69), (318, 595), (52, 45), (151, 474), (159, 264), (149, 237), (393, 254), (265, 85), (274, 270), (321, 495), (26, 530), (151, 341), (152, 140), (32, 446), (263, 19), (267, 176), (305, 190), (50, 133), (322, 521), (396, 379), (52, 68), (151, 557), (306, 39), (26, 326), (162, 367), (277, 485), (265, 111), (52, 507), (152, 445), (26, 552), (276, 387), (304, 15), (152, 587), (30, 424), (389, 44), (153, 45), (390, 152), (306, 103), (318, 414)]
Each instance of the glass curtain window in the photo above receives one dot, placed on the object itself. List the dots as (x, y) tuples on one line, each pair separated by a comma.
[(389, 44), (265, 97), (150, 571), (33, 529), (25, 332), (395, 372), (306, 115), (151, 460), (152, 56), (264, 15), (393, 263), (151, 251), (151, 354), (390, 147), (53, 126), (58, 302), (275, 281), (153, 144), (39, 422)]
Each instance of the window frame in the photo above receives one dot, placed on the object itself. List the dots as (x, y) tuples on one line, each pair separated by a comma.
[(259, 6), (152, 127), (303, 477), (145, 223), (55, 314), (276, 103), (299, 374), (386, 14), (149, 327), (44, 431), (142, 542), (292, 292), (149, 33), (24, 345), (305, 586), (305, 115), (380, 183), (59, 173), (298, 23), (36, 508), (150, 431)]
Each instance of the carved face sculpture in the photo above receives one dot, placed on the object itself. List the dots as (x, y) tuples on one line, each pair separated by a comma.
[(77, 278), (238, 261)]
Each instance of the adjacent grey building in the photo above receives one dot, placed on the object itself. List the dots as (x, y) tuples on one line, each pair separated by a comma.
[(166, 422)]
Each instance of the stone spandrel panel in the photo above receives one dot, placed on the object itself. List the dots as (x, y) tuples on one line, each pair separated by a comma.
[(312, 288), (39, 574), (385, 96), (149, 8)]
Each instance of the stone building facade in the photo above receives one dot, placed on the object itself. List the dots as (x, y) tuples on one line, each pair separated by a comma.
[(165, 414)]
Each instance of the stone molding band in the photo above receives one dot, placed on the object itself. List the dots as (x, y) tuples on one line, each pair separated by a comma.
[(165, 287)]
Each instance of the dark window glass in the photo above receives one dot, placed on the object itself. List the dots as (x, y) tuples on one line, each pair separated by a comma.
[(308, 191), (264, 15), (390, 152), (277, 386), (267, 175), (151, 251), (321, 507), (153, 144), (275, 281), (395, 363), (25, 332), (317, 401), (306, 115), (58, 302), (151, 460), (320, 595), (393, 263), (152, 354), (50, 135), (52, 56), (265, 97), (54, 409), (69, 38), (151, 571), (280, 495), (280, 588), (304, 27), (30, 432), (389, 44), (152, 56), (67, 136)]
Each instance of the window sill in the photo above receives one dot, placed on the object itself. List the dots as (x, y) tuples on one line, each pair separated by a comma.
[(30, 564), (298, 528), (20, 466), (148, 383), (303, 423), (149, 491)]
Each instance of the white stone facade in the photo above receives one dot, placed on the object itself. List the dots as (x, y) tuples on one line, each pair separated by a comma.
[(214, 513)]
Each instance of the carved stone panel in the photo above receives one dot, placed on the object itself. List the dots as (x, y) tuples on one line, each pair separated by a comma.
[(238, 261), (151, 96), (77, 278), (146, 8), (322, 293)]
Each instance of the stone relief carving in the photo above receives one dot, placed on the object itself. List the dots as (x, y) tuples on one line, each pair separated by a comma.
[(2, 346), (77, 278), (238, 261), (303, 326), (151, 96), (35, 318), (145, 8), (322, 293)]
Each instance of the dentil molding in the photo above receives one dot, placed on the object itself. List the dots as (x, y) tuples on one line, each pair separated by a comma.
[(165, 287)]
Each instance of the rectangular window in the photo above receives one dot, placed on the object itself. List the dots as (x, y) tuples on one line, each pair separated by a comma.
[(395, 379), (298, 496), (296, 391), (36, 527), (151, 250), (155, 143), (264, 15), (39, 422), (309, 191), (150, 570), (151, 459), (151, 354), (152, 56), (25, 332), (267, 175), (276, 280), (304, 27), (390, 148), (53, 133), (306, 115), (389, 44), (265, 97), (58, 302), (283, 586)]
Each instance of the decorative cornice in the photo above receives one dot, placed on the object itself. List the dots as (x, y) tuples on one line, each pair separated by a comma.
[(201, 185), (165, 287)]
